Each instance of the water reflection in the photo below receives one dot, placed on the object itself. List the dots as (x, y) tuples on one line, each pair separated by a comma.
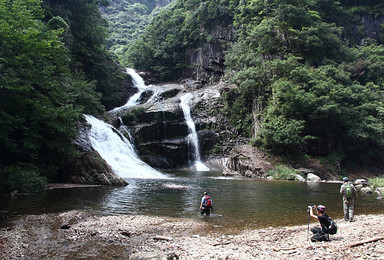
[(238, 203)]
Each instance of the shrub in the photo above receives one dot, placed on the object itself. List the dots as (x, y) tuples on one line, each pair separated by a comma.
[(376, 182), (20, 178), (283, 172)]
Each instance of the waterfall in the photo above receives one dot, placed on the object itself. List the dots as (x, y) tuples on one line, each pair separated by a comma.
[(137, 80), (193, 134), (118, 152), (139, 83)]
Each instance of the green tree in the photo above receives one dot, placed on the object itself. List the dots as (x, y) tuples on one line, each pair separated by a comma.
[(176, 32), (37, 123), (85, 40), (308, 86)]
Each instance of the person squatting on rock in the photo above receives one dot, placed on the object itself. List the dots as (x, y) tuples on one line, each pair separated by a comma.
[(206, 205), (349, 193), (320, 234)]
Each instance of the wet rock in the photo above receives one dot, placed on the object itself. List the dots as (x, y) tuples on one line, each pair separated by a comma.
[(299, 178), (313, 178), (249, 174)]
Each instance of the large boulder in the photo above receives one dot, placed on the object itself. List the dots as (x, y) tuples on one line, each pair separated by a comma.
[(313, 178)]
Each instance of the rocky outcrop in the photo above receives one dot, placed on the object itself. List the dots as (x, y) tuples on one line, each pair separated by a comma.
[(373, 27), (206, 63), (247, 161), (159, 129), (89, 167), (122, 94)]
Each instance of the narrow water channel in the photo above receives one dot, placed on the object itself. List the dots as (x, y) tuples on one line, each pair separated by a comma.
[(238, 203)]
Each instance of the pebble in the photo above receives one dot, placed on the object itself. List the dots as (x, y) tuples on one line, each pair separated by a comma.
[(190, 240)]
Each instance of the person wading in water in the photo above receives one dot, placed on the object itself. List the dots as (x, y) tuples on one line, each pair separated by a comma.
[(206, 205), (349, 194)]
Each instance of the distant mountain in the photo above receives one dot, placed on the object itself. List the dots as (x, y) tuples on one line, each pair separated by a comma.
[(127, 20)]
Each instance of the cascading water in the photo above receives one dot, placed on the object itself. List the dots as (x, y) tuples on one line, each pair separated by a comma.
[(118, 152), (193, 134), (139, 83)]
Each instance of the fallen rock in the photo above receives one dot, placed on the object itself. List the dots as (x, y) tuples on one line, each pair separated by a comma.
[(313, 178)]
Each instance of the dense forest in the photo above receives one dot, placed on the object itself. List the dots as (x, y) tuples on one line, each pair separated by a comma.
[(308, 74), (54, 67), (127, 20)]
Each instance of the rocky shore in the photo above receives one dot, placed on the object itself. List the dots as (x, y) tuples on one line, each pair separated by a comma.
[(83, 235)]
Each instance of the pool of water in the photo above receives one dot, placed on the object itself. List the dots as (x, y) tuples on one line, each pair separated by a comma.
[(239, 203)]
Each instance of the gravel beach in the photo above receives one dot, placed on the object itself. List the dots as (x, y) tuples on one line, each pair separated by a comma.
[(83, 235)]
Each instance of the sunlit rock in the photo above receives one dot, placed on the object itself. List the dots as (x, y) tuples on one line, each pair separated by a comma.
[(313, 178)]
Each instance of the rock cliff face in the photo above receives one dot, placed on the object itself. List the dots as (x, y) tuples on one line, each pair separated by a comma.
[(159, 129), (247, 161), (206, 63), (372, 27)]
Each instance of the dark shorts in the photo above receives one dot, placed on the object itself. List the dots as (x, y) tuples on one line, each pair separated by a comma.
[(206, 211)]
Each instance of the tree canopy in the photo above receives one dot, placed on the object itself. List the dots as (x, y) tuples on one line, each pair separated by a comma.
[(54, 69), (302, 71)]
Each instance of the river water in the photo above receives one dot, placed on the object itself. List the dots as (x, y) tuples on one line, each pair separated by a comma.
[(239, 203)]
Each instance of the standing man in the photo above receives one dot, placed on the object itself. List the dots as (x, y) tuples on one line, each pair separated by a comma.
[(206, 204), (349, 193)]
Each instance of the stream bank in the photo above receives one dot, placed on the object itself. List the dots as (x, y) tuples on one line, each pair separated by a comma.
[(81, 234)]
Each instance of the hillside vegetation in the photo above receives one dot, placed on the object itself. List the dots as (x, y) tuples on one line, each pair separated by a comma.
[(308, 74), (54, 67), (127, 20)]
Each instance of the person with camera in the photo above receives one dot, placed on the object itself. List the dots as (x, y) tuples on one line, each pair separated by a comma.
[(320, 234)]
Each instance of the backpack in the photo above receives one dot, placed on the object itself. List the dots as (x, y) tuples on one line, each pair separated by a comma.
[(348, 191), (207, 202), (332, 229)]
